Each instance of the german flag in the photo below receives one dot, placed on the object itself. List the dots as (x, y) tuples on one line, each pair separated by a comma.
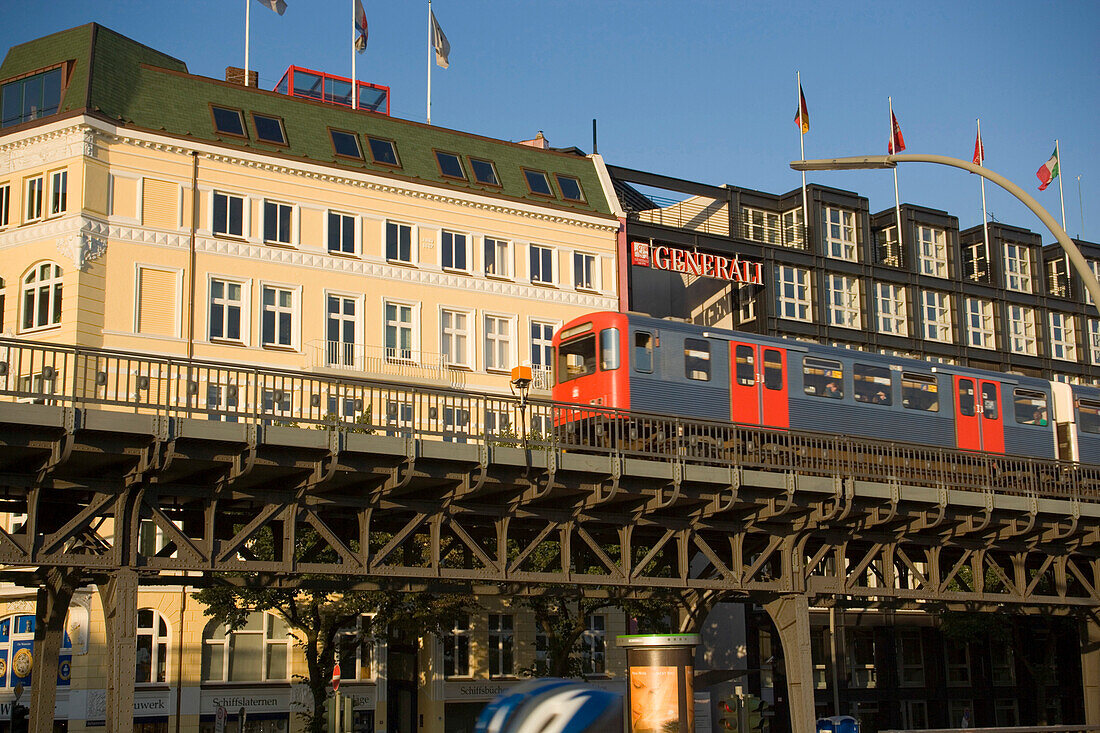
[(802, 116)]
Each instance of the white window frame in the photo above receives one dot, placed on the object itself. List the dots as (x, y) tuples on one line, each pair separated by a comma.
[(244, 327), (793, 229), (541, 279), (893, 254), (458, 637), (294, 309), (843, 301), (1022, 331), (34, 204), (981, 328), (456, 345), (1017, 260), (891, 308), (542, 372), (358, 669), (586, 263), (54, 287), (502, 255), (396, 352), (936, 324), (839, 223), (910, 672), (345, 219), (156, 640), (226, 644), (958, 674), (292, 222), (495, 344), (414, 236), (760, 225), (59, 179), (799, 305), (1094, 341), (449, 242), (1063, 336), (932, 244), (337, 353), (246, 214), (5, 204), (594, 644), (1094, 265), (502, 645)]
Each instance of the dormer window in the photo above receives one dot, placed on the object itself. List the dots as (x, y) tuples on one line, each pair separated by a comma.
[(346, 144), (484, 172), (383, 152), (570, 188), (538, 183), (30, 98), (228, 121), (450, 165), (269, 129)]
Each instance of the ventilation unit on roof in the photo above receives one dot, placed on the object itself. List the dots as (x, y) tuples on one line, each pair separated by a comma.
[(309, 84)]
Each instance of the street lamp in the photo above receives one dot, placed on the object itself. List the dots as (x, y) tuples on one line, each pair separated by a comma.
[(862, 162)]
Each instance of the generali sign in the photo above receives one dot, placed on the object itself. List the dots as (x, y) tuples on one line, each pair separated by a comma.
[(700, 264)]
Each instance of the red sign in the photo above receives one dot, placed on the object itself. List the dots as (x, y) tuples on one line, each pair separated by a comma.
[(700, 264), (336, 677)]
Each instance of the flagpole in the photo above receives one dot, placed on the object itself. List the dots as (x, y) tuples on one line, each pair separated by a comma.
[(247, 24), (429, 62), (354, 84), (897, 198), (1080, 207), (985, 218), (1061, 196), (802, 146)]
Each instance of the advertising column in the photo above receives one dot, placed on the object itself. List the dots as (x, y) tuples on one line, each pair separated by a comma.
[(660, 686)]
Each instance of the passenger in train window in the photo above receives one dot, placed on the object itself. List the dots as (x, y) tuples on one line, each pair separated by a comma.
[(880, 398), (1040, 417), (832, 390)]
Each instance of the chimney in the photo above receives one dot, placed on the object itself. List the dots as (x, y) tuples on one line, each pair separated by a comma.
[(235, 75), (540, 141)]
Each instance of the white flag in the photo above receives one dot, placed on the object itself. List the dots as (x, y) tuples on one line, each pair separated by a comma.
[(439, 41), (360, 27), (279, 6)]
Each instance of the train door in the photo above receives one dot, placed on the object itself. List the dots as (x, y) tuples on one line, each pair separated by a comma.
[(978, 421), (758, 390)]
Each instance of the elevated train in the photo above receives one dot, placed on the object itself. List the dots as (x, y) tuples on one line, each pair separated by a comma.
[(635, 362)]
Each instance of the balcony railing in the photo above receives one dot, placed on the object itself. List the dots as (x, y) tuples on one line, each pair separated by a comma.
[(384, 362), (711, 216)]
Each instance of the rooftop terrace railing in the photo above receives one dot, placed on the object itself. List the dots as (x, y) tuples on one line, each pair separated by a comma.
[(712, 216), (104, 379)]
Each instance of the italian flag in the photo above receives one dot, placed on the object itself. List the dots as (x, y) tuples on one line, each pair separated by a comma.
[(1049, 171)]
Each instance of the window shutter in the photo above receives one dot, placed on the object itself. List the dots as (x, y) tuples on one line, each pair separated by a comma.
[(157, 302), (159, 200)]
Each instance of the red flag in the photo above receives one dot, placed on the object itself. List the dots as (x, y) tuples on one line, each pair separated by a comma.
[(979, 150), (897, 142)]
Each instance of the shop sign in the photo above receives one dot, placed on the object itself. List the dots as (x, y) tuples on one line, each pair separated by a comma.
[(254, 700), (700, 264)]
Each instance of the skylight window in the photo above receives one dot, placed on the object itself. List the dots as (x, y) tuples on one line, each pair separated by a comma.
[(383, 151), (538, 182), (570, 188), (450, 165), (484, 172), (228, 121), (346, 144), (269, 129)]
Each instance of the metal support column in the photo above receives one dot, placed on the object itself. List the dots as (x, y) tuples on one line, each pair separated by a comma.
[(1090, 667), (119, 597), (49, 629), (791, 615)]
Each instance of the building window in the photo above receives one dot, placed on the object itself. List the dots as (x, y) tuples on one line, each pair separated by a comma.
[(33, 199), (1002, 664), (228, 214), (18, 652), (976, 262), (456, 649), (255, 652), (400, 332), (936, 309), (891, 310), (1094, 341), (910, 658), (498, 342), (450, 165), (226, 310), (1017, 267), (277, 220), (156, 301), (357, 651), (277, 321), (957, 657), (542, 353), (269, 129), (979, 323), (30, 98), (455, 326), (42, 296), (538, 183), (933, 251), (497, 258), (1094, 265), (1021, 330), (842, 293), (760, 226), (59, 192), (341, 233), (542, 264), (398, 242), (888, 249), (383, 152), (341, 327), (1063, 337), (455, 251), (570, 188), (861, 658), (793, 230), (840, 234), (586, 274), (594, 643), (228, 121), (346, 144), (792, 293), (746, 303), (1006, 713), (501, 645), (5, 204), (914, 713), (152, 647), (484, 172)]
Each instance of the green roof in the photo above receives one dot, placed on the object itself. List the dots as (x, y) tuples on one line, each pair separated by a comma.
[(137, 87)]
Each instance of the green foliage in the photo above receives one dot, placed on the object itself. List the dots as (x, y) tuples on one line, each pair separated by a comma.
[(361, 424)]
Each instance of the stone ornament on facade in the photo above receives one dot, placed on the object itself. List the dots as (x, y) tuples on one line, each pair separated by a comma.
[(82, 248)]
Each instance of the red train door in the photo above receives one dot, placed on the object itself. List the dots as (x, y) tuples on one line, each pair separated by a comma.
[(758, 385), (978, 421)]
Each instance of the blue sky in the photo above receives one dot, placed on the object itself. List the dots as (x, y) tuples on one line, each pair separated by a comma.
[(698, 90)]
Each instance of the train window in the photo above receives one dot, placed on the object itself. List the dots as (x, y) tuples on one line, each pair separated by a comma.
[(773, 369), (1031, 407), (872, 384), (577, 358), (697, 359), (989, 400), (643, 351), (823, 378), (967, 406), (746, 365), (920, 392), (1088, 416), (609, 349)]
